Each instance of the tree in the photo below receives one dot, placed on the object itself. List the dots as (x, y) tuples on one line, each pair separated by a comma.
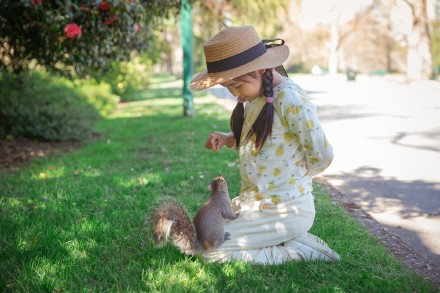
[(211, 16), (419, 63), (435, 40), (373, 44), (77, 37), (342, 26)]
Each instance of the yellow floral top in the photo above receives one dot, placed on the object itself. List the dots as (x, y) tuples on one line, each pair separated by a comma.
[(297, 150)]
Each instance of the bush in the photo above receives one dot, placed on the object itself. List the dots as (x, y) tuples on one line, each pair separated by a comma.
[(44, 107), (296, 68), (130, 76), (99, 95)]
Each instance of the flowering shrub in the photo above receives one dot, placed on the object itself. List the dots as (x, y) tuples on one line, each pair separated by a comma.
[(78, 37)]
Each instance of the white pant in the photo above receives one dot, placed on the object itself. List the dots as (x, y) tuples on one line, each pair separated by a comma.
[(265, 234)]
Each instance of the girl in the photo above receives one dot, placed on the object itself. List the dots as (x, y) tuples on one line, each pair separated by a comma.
[(281, 145)]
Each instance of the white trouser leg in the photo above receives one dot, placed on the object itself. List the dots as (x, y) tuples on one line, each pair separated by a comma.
[(258, 232)]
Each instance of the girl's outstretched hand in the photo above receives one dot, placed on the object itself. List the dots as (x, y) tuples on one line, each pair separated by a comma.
[(217, 140)]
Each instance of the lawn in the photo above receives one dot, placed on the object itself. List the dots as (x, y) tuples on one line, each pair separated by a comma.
[(76, 222)]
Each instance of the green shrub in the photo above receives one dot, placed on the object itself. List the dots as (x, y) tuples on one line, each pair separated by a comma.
[(44, 107), (97, 94), (130, 76)]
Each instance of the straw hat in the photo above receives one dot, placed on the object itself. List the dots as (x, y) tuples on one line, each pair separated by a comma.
[(236, 51)]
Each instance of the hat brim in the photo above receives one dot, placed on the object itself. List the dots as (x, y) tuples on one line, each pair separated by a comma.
[(273, 57)]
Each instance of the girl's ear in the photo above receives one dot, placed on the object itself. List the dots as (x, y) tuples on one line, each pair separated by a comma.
[(261, 71)]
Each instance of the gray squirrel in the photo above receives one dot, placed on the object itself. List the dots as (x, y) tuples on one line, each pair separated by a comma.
[(170, 220)]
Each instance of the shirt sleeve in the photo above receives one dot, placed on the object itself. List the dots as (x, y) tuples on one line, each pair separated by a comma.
[(302, 120)]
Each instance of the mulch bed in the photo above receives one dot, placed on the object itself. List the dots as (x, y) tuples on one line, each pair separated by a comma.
[(14, 152)]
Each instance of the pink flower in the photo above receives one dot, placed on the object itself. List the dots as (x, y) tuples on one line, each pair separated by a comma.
[(72, 30), (136, 28), (36, 2)]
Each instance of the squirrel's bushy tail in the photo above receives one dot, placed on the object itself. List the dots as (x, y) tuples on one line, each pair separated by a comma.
[(170, 220)]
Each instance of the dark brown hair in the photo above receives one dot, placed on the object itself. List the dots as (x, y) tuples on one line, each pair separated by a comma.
[(262, 127)]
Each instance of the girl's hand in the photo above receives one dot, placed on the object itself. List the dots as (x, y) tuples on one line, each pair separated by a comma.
[(217, 140)]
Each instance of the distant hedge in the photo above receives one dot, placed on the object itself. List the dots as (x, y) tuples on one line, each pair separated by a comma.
[(51, 108)]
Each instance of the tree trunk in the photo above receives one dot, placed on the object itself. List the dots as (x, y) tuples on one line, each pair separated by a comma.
[(419, 62), (334, 44)]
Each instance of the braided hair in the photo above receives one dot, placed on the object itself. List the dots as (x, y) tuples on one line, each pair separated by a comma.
[(262, 127)]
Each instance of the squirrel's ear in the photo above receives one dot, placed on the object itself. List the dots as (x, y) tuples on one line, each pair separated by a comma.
[(210, 187)]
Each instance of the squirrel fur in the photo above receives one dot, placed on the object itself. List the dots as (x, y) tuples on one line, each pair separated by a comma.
[(171, 221)]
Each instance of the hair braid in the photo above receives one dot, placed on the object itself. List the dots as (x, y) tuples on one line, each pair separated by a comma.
[(267, 83), (236, 123), (262, 127)]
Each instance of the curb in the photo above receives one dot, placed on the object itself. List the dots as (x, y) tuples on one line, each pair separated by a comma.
[(393, 243)]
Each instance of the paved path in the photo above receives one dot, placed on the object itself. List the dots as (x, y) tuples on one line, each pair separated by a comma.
[(386, 139)]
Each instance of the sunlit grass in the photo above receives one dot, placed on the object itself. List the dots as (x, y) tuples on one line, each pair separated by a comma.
[(81, 225)]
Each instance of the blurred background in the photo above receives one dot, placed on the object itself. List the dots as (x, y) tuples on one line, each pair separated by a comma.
[(374, 37), (122, 45), (371, 66), (367, 36)]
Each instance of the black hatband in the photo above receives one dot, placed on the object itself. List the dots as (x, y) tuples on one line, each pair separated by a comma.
[(243, 57), (237, 60)]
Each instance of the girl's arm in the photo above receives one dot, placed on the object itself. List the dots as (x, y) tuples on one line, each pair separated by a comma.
[(303, 121)]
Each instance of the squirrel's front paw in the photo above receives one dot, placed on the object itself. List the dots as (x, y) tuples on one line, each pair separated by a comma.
[(227, 236)]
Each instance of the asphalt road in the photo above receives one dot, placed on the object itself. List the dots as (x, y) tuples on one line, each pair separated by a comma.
[(386, 139)]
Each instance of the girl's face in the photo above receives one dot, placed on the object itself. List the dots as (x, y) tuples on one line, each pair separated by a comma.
[(245, 88)]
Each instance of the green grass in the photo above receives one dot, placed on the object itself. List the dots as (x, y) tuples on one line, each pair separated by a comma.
[(161, 86), (75, 222)]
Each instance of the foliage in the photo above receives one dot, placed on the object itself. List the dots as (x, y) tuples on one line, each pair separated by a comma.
[(435, 43), (297, 67), (77, 37), (263, 14), (99, 95), (130, 76), (39, 106), (266, 15), (76, 222), (209, 17)]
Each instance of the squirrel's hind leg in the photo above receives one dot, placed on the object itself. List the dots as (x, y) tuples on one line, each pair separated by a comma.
[(224, 239)]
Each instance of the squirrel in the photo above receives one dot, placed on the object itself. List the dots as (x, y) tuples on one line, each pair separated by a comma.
[(206, 231)]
